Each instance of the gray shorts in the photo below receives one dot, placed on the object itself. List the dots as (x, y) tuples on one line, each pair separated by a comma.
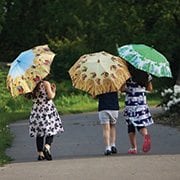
[(108, 116)]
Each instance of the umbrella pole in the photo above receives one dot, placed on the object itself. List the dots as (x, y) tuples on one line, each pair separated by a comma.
[(117, 46)]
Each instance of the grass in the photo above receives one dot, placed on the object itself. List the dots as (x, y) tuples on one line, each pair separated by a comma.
[(85, 103), (65, 105), (75, 104), (6, 137), (153, 99)]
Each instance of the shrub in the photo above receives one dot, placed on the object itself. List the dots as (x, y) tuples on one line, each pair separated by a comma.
[(4, 95), (171, 99), (67, 52)]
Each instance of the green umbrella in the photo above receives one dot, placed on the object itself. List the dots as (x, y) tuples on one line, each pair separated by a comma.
[(146, 58)]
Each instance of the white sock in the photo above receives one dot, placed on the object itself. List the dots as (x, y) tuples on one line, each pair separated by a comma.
[(108, 148), (113, 145)]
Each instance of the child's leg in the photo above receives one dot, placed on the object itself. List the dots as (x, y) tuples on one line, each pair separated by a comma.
[(105, 121), (147, 140), (143, 130), (132, 138), (113, 114), (112, 134), (48, 142), (39, 145), (46, 151), (113, 138), (106, 135)]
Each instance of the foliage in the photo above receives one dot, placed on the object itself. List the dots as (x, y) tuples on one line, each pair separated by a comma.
[(4, 96), (67, 53), (75, 104), (5, 136), (2, 13), (88, 26), (171, 99)]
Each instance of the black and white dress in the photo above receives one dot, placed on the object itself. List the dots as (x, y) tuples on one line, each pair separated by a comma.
[(44, 119), (136, 107)]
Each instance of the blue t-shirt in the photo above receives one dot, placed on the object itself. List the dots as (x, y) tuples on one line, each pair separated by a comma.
[(108, 101)]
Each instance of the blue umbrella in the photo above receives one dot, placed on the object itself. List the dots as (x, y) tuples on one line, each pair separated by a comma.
[(28, 69)]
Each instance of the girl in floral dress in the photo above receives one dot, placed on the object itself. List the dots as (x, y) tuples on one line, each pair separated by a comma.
[(137, 114), (44, 121)]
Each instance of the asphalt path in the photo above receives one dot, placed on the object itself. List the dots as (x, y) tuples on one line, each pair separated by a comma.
[(78, 153)]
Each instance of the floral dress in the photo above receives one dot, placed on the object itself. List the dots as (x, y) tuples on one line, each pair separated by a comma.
[(136, 109), (44, 119)]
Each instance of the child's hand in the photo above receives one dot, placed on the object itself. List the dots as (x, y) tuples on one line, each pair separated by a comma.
[(123, 88), (93, 96), (28, 95), (53, 87)]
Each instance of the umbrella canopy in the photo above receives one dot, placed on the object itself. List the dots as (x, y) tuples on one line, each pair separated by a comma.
[(28, 69), (98, 73), (146, 58)]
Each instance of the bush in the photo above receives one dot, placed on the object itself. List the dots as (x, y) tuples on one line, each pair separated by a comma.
[(171, 99), (67, 53), (4, 94)]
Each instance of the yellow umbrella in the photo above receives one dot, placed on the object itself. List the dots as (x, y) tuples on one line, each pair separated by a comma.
[(98, 73), (28, 69)]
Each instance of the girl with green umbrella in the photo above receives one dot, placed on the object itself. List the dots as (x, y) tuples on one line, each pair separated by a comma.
[(141, 60), (137, 114)]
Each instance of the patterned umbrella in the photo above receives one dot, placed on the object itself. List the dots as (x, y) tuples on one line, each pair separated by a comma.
[(98, 73), (146, 58), (28, 69)]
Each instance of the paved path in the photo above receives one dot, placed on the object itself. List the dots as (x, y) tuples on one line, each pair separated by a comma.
[(78, 153)]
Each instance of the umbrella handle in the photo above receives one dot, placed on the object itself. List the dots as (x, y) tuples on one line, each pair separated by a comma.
[(117, 46)]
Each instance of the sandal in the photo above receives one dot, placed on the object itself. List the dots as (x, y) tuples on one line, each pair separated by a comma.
[(47, 154), (132, 151), (40, 158), (147, 143), (114, 150)]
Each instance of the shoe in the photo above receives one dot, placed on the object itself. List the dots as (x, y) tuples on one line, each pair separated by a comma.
[(107, 153), (132, 151), (41, 158), (147, 143), (47, 154), (113, 150)]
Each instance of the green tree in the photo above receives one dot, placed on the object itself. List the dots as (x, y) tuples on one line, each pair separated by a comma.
[(91, 25), (2, 14), (21, 28), (161, 22)]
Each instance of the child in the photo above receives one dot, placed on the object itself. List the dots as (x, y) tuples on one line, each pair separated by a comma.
[(108, 109), (136, 111), (44, 121)]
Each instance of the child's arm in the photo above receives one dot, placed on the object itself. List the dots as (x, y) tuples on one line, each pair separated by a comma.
[(94, 97), (149, 86), (123, 88), (50, 89)]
